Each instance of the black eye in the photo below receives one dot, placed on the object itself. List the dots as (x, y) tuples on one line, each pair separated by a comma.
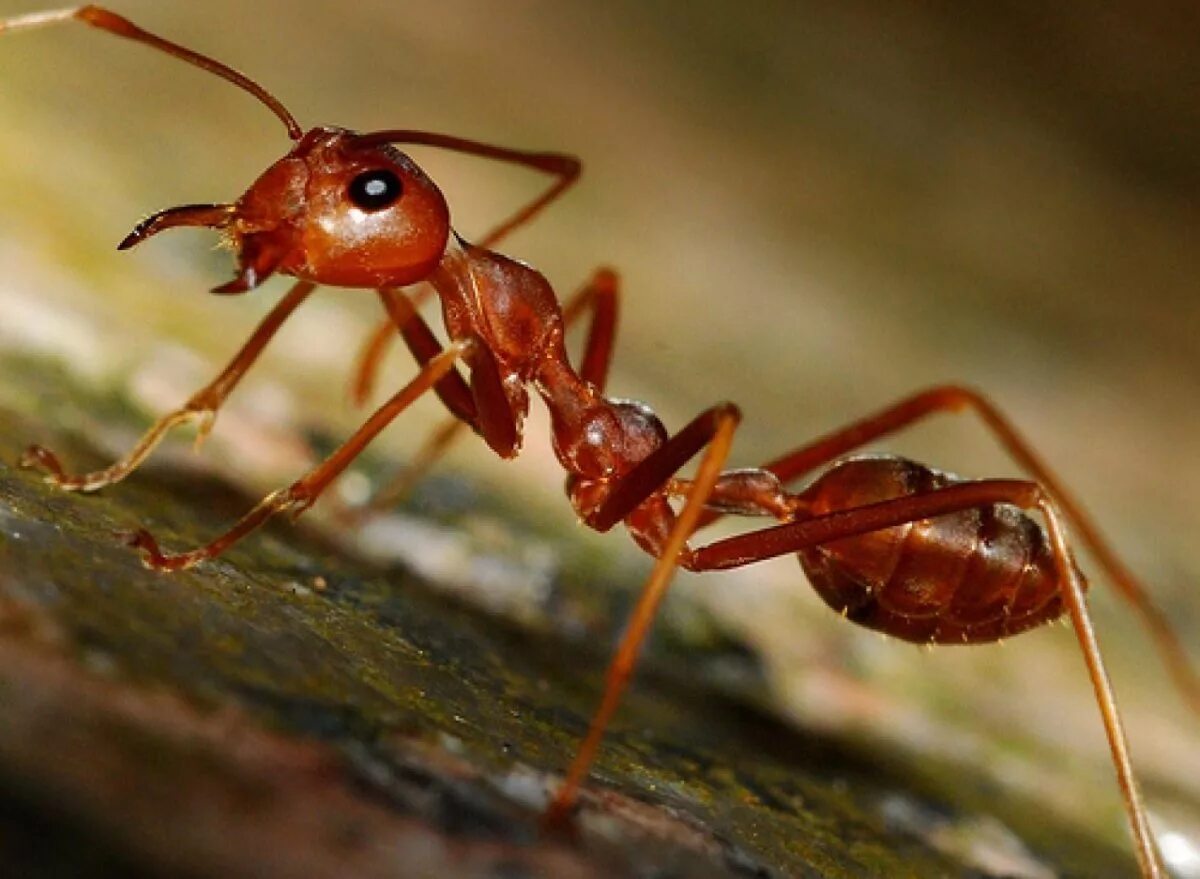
[(375, 190)]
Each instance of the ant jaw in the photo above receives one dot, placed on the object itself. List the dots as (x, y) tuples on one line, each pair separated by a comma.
[(259, 255), (245, 280), (213, 216)]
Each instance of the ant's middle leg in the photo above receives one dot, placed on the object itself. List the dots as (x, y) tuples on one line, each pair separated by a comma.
[(713, 429), (201, 408)]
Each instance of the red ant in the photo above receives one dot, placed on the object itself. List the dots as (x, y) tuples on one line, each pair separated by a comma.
[(889, 543)]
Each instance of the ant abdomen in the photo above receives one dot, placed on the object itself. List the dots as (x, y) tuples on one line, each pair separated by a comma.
[(965, 577)]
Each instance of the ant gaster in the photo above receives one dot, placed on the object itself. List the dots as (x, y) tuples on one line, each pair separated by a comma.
[(888, 543)]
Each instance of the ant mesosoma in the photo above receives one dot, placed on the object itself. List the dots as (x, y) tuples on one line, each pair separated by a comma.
[(888, 543)]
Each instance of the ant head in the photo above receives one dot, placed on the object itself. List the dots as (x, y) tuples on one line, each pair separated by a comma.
[(340, 209)]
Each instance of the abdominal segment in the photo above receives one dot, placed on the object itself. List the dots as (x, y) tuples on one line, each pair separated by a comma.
[(971, 576)]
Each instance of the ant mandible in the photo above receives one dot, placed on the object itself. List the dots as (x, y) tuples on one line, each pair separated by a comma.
[(890, 544)]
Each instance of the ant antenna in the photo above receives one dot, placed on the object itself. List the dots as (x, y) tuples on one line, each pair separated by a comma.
[(122, 27)]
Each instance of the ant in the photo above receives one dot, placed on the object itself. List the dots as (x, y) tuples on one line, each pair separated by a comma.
[(888, 543)]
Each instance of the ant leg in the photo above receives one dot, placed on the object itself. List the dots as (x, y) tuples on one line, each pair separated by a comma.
[(400, 485), (794, 536), (370, 360), (566, 170), (954, 398), (598, 298), (452, 389), (201, 408), (300, 495), (484, 403), (714, 429), (370, 356), (945, 398), (1149, 859)]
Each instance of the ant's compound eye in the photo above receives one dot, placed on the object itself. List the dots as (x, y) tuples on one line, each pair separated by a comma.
[(375, 190)]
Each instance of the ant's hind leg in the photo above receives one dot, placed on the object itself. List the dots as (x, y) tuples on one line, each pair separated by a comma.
[(955, 398), (1073, 596), (792, 537), (201, 409)]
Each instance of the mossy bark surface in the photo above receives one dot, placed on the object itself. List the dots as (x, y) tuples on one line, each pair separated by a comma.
[(290, 709)]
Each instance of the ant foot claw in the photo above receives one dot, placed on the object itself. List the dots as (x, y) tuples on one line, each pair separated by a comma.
[(152, 555), (41, 458), (206, 419), (559, 821)]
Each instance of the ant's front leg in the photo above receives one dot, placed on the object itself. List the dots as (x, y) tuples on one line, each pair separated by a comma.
[(300, 495), (201, 409)]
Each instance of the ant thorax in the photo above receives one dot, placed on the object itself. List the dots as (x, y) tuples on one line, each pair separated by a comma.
[(511, 310)]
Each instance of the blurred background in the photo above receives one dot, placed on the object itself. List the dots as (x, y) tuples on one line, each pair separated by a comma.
[(814, 208)]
